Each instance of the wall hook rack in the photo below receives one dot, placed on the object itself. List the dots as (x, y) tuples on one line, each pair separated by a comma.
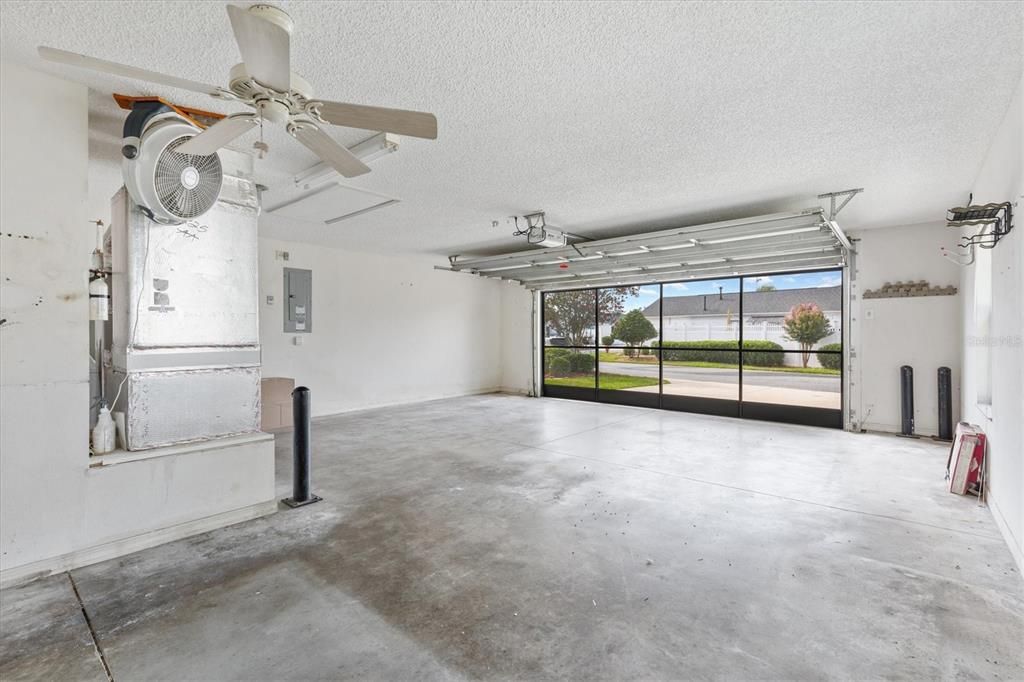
[(996, 221)]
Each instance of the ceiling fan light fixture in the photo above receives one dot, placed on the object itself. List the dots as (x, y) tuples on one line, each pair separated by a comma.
[(368, 150)]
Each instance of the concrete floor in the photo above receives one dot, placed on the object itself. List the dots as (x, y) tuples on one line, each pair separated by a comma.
[(506, 537)]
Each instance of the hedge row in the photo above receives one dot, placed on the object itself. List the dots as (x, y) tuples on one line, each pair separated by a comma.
[(723, 351), (828, 360), (561, 362)]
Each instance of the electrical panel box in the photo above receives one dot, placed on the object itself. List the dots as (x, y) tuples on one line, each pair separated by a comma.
[(298, 301)]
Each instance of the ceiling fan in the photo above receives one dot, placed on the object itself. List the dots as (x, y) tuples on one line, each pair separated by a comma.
[(265, 82)]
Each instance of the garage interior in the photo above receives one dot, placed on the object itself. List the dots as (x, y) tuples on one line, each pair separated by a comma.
[(648, 341)]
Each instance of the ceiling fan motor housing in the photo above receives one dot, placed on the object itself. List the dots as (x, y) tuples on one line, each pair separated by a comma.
[(169, 186)]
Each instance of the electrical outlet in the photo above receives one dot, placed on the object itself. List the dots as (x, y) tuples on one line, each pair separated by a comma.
[(270, 300)]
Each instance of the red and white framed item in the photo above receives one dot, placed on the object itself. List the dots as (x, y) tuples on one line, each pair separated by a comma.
[(966, 464)]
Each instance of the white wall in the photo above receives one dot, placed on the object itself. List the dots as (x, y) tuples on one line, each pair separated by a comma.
[(1000, 179), (923, 332), (517, 334), (44, 389), (54, 509), (387, 329)]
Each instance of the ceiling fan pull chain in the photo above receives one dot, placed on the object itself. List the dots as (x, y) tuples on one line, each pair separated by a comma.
[(261, 147)]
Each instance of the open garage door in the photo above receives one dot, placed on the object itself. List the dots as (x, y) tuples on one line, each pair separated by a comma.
[(762, 346), (779, 242), (735, 318)]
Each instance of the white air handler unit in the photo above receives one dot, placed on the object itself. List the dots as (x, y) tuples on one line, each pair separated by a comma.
[(185, 355)]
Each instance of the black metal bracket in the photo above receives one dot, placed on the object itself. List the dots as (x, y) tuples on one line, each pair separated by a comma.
[(291, 502)]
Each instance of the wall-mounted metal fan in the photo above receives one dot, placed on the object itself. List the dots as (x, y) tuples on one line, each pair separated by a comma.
[(265, 82)]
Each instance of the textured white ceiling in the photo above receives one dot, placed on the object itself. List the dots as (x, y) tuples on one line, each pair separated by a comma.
[(612, 117)]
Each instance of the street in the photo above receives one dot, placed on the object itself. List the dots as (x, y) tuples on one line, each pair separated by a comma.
[(751, 377)]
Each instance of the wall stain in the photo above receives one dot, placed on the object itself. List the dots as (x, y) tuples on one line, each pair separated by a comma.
[(17, 236), (70, 297)]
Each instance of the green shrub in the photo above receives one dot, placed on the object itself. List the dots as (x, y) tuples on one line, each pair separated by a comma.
[(751, 356), (565, 361), (559, 366), (607, 342), (829, 360), (723, 351), (552, 353), (582, 363)]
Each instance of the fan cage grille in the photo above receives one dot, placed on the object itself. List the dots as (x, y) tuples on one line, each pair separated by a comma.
[(175, 197)]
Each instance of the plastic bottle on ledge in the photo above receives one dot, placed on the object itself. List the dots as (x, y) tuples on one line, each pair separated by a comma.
[(103, 433)]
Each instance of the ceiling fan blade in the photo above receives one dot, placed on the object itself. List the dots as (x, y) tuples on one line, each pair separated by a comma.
[(265, 48), (332, 153), (103, 66), (399, 121), (219, 134)]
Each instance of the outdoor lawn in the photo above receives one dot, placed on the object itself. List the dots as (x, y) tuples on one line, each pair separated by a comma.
[(612, 382), (652, 360)]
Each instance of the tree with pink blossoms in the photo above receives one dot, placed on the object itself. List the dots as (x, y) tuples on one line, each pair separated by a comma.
[(806, 325)]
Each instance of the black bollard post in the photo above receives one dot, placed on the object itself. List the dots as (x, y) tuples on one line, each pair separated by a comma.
[(945, 404), (301, 443), (907, 400)]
